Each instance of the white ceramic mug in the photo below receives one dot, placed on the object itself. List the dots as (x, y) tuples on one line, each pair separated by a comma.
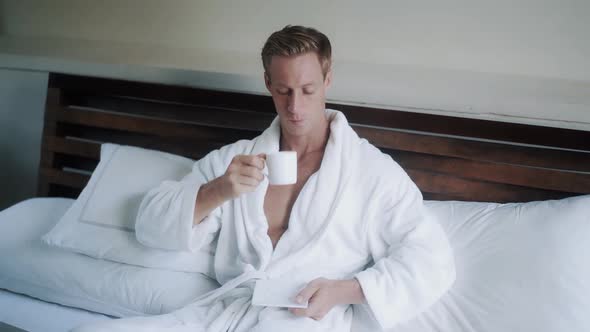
[(282, 167)]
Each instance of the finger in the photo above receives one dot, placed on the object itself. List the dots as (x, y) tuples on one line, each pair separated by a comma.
[(300, 312), (318, 307), (262, 155), (318, 316), (307, 293), (255, 161), (248, 181), (252, 172), (314, 311)]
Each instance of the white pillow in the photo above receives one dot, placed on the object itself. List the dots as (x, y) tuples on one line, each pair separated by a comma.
[(28, 266), (101, 223), (520, 267)]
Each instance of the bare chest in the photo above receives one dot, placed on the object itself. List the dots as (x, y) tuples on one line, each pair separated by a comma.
[(279, 201)]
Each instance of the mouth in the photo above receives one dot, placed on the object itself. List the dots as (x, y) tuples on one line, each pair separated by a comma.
[(295, 121)]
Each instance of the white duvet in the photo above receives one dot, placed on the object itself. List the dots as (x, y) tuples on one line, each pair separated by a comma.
[(29, 266), (520, 267)]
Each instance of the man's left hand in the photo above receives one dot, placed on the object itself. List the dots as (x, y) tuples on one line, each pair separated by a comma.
[(324, 294)]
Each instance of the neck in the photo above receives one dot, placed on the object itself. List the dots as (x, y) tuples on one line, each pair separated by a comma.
[(314, 142)]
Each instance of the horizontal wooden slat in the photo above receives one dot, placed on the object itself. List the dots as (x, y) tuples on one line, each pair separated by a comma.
[(482, 129), (149, 126), (162, 92), (441, 185), (104, 135), (75, 162), (69, 179), (70, 146), (498, 173), (477, 150), (433, 185), (196, 114)]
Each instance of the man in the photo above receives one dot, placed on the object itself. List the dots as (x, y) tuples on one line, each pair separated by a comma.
[(353, 228)]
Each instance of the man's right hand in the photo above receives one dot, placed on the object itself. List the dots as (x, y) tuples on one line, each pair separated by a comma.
[(243, 175)]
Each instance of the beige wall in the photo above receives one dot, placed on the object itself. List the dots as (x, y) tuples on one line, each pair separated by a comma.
[(525, 61), (531, 37)]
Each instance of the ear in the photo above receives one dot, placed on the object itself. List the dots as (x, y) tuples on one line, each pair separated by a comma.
[(267, 81), (328, 79)]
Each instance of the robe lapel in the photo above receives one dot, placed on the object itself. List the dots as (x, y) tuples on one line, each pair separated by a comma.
[(251, 205), (315, 208)]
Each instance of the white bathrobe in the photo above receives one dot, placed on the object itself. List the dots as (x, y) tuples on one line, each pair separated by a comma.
[(358, 216)]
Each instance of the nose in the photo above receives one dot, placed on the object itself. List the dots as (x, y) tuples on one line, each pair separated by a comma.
[(294, 102)]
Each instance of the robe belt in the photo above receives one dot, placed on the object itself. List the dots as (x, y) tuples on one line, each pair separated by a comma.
[(230, 288), (229, 319)]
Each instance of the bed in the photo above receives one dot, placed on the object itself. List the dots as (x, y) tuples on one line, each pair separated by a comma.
[(449, 158)]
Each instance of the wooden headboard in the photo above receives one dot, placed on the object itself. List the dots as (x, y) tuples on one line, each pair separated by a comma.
[(449, 158)]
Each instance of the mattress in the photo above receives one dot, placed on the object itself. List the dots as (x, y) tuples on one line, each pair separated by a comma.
[(17, 310)]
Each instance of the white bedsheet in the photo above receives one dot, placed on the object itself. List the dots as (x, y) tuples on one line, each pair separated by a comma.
[(18, 310), (28, 266)]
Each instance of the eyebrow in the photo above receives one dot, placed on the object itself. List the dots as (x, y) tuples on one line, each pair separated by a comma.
[(307, 85)]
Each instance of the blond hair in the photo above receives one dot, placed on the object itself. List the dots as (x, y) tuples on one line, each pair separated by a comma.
[(294, 40)]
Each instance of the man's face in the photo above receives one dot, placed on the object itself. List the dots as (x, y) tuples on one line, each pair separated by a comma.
[(298, 89)]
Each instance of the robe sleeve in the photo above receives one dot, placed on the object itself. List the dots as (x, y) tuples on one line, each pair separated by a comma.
[(165, 216), (414, 265)]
